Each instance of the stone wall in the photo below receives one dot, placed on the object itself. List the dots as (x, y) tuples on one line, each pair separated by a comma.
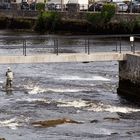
[(129, 77), (18, 13), (66, 15), (126, 17)]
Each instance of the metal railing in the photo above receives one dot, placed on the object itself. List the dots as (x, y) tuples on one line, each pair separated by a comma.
[(68, 44)]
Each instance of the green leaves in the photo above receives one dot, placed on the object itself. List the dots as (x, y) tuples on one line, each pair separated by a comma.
[(47, 21), (107, 12)]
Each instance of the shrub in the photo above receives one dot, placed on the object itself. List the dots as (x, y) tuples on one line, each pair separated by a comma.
[(107, 12), (94, 18), (47, 21), (100, 19), (40, 6)]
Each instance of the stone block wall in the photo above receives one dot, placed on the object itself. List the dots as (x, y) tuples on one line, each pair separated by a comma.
[(129, 77)]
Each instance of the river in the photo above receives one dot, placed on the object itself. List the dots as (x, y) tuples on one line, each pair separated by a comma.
[(84, 92)]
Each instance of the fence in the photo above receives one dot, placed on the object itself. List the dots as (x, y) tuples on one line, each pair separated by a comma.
[(31, 45)]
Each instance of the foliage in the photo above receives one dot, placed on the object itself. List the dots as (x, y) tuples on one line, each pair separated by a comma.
[(40, 6), (94, 18), (129, 27), (107, 12), (136, 28), (40, 24), (100, 20), (47, 21)]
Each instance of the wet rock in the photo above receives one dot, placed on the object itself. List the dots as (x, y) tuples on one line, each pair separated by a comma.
[(53, 123), (2, 139), (115, 133), (94, 121), (86, 62), (112, 119), (133, 116), (132, 132)]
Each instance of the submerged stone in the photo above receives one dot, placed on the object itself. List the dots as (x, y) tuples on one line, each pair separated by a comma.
[(94, 121), (2, 139), (112, 119), (53, 123)]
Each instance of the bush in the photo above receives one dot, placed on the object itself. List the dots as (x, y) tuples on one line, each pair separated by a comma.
[(94, 18), (47, 21), (100, 19), (40, 6), (107, 12)]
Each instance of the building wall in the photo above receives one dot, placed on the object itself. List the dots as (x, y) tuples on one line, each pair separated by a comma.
[(40, 1), (58, 1)]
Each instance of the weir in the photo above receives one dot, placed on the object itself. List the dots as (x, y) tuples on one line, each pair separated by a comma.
[(129, 60), (129, 66), (64, 57)]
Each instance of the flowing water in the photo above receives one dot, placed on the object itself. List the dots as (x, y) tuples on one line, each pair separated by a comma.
[(84, 92)]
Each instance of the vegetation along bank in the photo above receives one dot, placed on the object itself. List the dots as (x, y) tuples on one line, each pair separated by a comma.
[(104, 22)]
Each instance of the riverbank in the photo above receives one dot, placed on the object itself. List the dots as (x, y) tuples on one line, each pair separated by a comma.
[(72, 23)]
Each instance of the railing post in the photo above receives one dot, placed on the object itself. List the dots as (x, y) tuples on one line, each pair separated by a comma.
[(88, 47), (24, 47), (134, 47), (120, 45), (116, 44), (57, 46), (54, 45), (54, 49), (132, 44), (85, 46)]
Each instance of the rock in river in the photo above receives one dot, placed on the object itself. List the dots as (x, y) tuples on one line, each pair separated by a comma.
[(53, 123)]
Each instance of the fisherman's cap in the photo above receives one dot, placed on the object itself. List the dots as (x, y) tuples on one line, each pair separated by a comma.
[(9, 68)]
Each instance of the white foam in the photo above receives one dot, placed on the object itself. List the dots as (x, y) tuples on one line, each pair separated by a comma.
[(109, 108), (63, 90), (100, 78), (1, 82), (97, 107), (37, 89), (33, 100), (121, 109), (75, 103), (11, 123), (93, 78)]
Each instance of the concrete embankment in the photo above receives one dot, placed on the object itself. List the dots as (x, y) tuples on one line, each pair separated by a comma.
[(129, 77), (72, 57)]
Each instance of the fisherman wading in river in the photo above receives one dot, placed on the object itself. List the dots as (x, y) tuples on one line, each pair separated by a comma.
[(9, 78)]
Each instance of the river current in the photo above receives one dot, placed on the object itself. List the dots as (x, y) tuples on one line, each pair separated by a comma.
[(84, 92)]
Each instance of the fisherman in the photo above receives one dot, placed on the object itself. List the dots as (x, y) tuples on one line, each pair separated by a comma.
[(9, 78)]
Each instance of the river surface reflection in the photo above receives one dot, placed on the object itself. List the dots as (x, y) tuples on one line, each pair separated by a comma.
[(84, 92)]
